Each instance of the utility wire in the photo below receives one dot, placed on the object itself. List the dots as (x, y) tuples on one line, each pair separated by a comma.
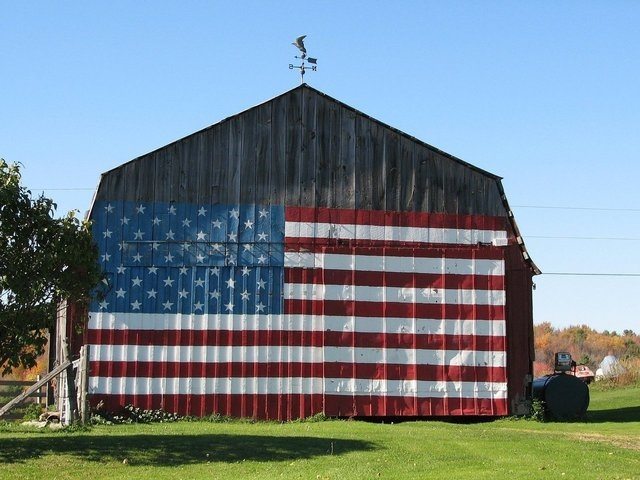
[(63, 189), (590, 274), (558, 207), (626, 239)]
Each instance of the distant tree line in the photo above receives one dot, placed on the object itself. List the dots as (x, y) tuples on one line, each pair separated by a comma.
[(586, 345)]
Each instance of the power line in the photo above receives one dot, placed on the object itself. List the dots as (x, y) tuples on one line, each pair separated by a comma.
[(63, 189), (626, 239), (590, 274), (548, 207), (558, 207)]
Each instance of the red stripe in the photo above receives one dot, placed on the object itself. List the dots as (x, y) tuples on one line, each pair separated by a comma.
[(295, 338), (389, 309), (393, 279), (311, 244), (399, 219), (298, 369), (338, 405), (287, 407)]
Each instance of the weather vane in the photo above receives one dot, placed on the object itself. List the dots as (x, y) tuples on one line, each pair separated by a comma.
[(299, 44)]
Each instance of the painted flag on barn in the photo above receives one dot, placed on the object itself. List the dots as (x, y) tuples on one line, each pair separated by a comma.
[(284, 312)]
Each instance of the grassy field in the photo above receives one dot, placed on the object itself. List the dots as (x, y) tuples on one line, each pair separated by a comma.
[(606, 445)]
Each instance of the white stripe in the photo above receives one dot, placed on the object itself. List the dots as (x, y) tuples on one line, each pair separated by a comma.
[(294, 385), (363, 293), (409, 264), (294, 354), (305, 323), (392, 233)]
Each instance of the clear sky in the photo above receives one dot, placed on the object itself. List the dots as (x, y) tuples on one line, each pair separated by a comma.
[(544, 94)]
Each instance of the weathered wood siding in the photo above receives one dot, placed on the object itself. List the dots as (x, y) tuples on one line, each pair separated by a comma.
[(306, 149)]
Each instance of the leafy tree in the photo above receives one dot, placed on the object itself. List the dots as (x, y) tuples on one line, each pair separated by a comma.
[(42, 260)]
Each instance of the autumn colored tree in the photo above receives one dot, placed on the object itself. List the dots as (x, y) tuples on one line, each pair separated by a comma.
[(585, 344), (42, 260)]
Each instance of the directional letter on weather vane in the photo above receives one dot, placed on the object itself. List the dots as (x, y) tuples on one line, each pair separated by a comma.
[(299, 44)]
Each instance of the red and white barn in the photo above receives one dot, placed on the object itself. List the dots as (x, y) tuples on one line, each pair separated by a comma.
[(302, 257)]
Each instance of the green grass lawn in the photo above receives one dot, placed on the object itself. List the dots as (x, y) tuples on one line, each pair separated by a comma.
[(606, 445)]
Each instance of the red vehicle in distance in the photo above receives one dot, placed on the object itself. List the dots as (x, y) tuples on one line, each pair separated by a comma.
[(582, 372)]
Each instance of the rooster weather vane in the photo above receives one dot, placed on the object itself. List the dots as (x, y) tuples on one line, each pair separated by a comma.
[(299, 44)]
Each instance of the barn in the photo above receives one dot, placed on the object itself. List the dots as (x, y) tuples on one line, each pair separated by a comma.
[(302, 257)]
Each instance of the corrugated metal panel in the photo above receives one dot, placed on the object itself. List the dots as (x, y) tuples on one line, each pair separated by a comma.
[(301, 149)]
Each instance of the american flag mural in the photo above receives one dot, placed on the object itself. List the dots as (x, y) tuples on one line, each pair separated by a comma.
[(282, 312)]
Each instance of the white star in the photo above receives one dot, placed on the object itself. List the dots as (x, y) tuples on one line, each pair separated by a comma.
[(245, 270), (260, 307), (248, 224), (200, 258), (262, 259), (170, 235), (107, 233), (263, 213), (262, 236), (186, 222), (121, 269), (124, 221), (168, 282), (233, 237), (137, 257), (106, 257), (229, 306), (185, 246), (199, 282), (183, 293), (120, 293), (103, 305), (105, 281), (215, 294), (233, 213), (167, 305), (151, 293), (121, 245), (231, 283), (216, 247), (136, 281), (156, 221), (153, 270), (155, 246), (138, 235), (109, 208), (261, 284), (217, 224), (245, 295), (172, 210), (231, 260), (136, 305), (168, 258), (247, 247), (197, 306), (201, 235), (202, 211), (215, 271), (184, 270), (141, 208)]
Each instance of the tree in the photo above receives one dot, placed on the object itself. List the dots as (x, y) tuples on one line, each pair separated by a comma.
[(42, 260)]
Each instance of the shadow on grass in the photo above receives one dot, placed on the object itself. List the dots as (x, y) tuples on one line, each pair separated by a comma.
[(177, 449), (621, 415)]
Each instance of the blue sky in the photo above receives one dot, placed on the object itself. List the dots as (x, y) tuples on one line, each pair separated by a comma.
[(544, 94)]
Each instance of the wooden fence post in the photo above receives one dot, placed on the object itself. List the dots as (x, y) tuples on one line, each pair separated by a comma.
[(83, 372), (71, 388)]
